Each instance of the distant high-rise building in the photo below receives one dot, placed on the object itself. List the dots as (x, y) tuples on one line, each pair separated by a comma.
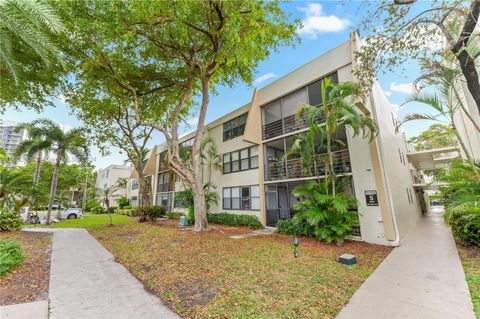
[(9, 139)]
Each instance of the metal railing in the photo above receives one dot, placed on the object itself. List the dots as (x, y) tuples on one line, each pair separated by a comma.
[(294, 168), (284, 126)]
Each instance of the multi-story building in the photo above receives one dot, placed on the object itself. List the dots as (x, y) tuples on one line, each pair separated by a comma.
[(9, 139), (109, 176), (257, 177)]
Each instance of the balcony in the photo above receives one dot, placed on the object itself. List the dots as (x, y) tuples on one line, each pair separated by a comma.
[(293, 168), (284, 126)]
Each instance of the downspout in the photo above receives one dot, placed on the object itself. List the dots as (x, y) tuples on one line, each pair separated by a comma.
[(396, 241)]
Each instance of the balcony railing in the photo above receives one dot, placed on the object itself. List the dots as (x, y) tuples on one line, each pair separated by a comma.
[(287, 125), (293, 168)]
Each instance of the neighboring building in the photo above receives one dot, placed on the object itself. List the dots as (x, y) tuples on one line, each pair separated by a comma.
[(9, 139), (258, 179), (109, 176)]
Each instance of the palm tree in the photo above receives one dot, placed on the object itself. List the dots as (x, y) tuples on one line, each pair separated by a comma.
[(32, 148), (105, 195), (338, 113), (15, 188), (64, 144), (122, 184), (27, 26)]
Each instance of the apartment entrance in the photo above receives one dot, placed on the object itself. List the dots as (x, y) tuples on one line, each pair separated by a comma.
[(280, 201)]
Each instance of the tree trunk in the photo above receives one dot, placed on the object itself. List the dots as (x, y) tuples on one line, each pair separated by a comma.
[(466, 61), (200, 208), (107, 203), (330, 161), (53, 187), (85, 190), (36, 175)]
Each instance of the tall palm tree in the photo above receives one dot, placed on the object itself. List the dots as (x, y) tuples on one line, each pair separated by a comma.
[(15, 187), (122, 183), (445, 104), (106, 195), (27, 25), (33, 148), (339, 112), (64, 144)]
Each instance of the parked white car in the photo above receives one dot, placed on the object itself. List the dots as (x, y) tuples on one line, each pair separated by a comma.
[(71, 213), (64, 213)]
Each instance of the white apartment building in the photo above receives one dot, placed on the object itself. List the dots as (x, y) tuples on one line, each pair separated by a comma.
[(258, 179), (109, 176), (9, 139)]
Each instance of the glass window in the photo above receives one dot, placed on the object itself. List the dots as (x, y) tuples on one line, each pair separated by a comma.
[(241, 160), (245, 197), (293, 102), (234, 127), (315, 93)]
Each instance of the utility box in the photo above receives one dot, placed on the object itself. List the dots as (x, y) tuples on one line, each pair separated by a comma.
[(183, 222), (347, 259)]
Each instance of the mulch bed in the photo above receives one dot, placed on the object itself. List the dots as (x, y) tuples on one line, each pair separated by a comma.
[(29, 282)]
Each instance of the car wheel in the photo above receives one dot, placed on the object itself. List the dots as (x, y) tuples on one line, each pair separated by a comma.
[(71, 216)]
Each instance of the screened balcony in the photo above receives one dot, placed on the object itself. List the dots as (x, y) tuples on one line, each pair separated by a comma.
[(293, 168), (279, 116)]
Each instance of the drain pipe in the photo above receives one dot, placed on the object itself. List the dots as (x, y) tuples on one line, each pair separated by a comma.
[(396, 242)]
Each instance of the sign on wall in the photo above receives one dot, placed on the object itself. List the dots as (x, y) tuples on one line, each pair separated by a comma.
[(371, 198)]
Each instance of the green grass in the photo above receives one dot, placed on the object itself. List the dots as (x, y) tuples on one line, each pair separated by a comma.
[(11, 256), (89, 221), (470, 257)]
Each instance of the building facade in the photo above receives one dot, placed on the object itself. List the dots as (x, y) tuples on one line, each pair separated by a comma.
[(109, 176), (257, 175), (10, 139)]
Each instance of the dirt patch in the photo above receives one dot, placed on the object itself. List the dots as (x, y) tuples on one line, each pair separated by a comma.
[(195, 292), (30, 281)]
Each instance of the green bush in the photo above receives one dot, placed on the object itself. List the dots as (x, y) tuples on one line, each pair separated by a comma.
[(10, 221), (174, 215), (191, 214), (11, 256), (98, 210), (123, 202), (296, 227), (127, 207), (111, 210), (235, 220), (91, 204), (465, 224), (155, 212)]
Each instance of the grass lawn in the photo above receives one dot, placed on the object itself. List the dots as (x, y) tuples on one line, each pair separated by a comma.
[(89, 221), (470, 257), (209, 275), (29, 281)]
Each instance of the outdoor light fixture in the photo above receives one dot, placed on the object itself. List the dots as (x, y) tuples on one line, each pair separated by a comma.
[(296, 242)]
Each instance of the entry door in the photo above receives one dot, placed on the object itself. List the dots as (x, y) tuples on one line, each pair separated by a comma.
[(283, 203)]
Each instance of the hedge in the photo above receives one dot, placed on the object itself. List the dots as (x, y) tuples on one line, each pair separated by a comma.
[(235, 220), (465, 224), (294, 227), (11, 256), (174, 215)]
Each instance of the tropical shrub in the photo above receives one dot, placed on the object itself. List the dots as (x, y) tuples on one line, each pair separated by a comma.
[(11, 256), (155, 212), (465, 224), (91, 204), (98, 210), (142, 213), (174, 215), (10, 221), (330, 215), (111, 210), (122, 202), (235, 220), (127, 207), (297, 227)]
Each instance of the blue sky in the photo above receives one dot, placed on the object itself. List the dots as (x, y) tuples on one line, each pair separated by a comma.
[(326, 25)]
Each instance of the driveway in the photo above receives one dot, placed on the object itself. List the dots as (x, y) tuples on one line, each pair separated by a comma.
[(86, 282), (423, 278)]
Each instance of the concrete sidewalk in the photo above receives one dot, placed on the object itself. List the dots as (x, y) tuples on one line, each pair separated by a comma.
[(423, 278), (86, 282)]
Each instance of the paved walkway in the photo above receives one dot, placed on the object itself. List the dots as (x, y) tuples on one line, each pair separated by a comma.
[(28, 310), (423, 278), (258, 232), (86, 282)]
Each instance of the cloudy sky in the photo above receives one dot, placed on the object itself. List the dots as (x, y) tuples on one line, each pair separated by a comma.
[(326, 24)]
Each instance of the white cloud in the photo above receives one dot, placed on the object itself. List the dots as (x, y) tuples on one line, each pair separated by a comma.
[(402, 87), (62, 98), (395, 106), (192, 121), (388, 93), (264, 77), (316, 21)]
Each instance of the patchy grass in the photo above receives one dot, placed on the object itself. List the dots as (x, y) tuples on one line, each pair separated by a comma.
[(209, 275), (89, 221), (470, 257), (11, 255), (28, 282)]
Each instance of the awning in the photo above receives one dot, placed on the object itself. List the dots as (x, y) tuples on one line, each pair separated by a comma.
[(433, 159)]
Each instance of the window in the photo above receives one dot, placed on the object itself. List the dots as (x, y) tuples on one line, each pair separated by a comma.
[(235, 127), (241, 198), (164, 183), (241, 160), (134, 184)]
